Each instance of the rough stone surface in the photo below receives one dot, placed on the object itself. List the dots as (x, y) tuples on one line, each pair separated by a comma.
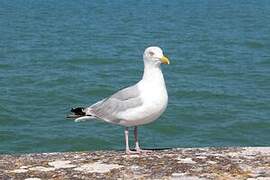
[(187, 163)]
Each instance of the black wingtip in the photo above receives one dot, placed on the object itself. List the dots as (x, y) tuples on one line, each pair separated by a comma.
[(78, 111)]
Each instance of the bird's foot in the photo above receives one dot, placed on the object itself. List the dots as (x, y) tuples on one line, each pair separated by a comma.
[(142, 151), (138, 151), (129, 152)]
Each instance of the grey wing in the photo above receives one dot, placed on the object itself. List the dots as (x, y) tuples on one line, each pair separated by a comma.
[(108, 109)]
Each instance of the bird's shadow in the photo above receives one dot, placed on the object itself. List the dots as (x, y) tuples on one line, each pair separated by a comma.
[(150, 149)]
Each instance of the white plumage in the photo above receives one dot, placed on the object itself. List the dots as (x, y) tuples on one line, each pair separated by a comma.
[(136, 105)]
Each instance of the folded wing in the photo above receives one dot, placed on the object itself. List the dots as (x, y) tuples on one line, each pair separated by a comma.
[(110, 108)]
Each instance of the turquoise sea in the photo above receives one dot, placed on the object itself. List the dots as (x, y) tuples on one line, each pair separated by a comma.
[(58, 54)]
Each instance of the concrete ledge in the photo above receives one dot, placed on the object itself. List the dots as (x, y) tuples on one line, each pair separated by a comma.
[(187, 163)]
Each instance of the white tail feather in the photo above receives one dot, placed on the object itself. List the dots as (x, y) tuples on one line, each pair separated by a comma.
[(84, 118)]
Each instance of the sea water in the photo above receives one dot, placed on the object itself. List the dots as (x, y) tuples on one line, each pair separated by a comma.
[(55, 55)]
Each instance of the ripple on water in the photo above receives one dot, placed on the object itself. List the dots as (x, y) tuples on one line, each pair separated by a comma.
[(255, 44), (218, 79)]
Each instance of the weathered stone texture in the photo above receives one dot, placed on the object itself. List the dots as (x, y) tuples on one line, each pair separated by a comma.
[(186, 163)]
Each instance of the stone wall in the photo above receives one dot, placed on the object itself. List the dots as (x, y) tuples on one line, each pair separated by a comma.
[(183, 163)]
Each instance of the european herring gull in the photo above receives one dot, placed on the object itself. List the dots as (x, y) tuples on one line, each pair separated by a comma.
[(136, 105)]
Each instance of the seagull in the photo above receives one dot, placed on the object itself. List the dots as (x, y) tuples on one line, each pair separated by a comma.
[(135, 105)]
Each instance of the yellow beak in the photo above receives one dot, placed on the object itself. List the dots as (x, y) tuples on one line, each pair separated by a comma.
[(165, 60)]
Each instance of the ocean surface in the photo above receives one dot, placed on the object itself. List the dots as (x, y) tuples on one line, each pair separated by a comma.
[(55, 55)]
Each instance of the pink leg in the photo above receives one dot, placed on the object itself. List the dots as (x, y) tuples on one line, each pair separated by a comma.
[(126, 138), (137, 147), (128, 151)]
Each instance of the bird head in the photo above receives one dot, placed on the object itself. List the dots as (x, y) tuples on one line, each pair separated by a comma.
[(155, 55)]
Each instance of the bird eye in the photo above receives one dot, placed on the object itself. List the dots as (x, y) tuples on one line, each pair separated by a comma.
[(151, 53)]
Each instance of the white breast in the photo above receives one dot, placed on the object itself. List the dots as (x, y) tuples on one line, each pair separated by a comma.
[(155, 98)]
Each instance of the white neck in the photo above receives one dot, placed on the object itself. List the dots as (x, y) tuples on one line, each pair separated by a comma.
[(152, 72)]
